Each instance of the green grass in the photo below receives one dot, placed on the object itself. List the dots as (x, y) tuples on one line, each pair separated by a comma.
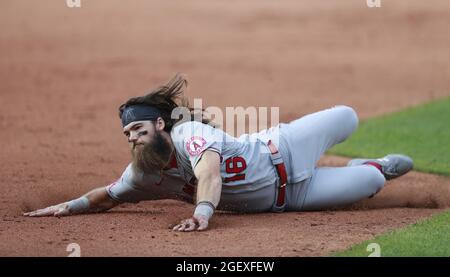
[(428, 238), (421, 132)]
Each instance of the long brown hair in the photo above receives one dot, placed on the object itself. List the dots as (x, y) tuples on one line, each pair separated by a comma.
[(166, 98)]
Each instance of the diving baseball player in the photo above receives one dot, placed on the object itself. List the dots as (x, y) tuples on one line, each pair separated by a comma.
[(270, 171)]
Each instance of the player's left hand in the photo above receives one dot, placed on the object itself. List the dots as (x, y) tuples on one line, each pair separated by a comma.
[(195, 223), (56, 210)]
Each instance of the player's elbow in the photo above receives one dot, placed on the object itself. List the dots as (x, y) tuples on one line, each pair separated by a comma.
[(100, 200)]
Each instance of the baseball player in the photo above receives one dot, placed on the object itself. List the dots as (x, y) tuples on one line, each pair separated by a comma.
[(270, 171)]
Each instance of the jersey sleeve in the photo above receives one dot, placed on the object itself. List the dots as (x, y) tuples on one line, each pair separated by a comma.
[(127, 188), (197, 137)]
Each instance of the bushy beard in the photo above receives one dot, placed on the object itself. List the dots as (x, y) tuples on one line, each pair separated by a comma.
[(152, 157)]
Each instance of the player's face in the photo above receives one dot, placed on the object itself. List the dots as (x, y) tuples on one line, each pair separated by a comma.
[(150, 150), (139, 133)]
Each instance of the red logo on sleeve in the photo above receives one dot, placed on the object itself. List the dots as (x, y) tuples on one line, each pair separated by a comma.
[(195, 145)]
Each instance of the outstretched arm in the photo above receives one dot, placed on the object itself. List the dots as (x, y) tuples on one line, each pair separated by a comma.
[(209, 188), (96, 200)]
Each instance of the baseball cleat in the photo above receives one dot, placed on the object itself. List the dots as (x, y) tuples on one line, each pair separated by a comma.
[(392, 165)]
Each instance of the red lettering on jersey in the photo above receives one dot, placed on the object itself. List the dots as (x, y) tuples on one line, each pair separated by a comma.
[(235, 165), (236, 177)]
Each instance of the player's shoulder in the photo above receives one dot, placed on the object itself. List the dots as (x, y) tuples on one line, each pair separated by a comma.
[(192, 131), (192, 123), (190, 128)]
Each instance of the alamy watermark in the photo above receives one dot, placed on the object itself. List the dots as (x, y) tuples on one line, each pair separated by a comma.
[(373, 3), (235, 121), (73, 3), (74, 250), (375, 250)]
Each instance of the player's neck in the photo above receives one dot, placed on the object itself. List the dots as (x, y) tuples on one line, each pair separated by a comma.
[(166, 136)]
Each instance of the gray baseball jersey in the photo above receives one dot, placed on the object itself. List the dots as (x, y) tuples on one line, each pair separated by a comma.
[(248, 175)]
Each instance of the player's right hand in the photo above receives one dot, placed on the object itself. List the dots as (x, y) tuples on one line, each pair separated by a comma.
[(56, 210)]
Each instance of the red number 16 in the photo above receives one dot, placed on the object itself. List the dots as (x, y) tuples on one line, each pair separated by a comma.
[(235, 165)]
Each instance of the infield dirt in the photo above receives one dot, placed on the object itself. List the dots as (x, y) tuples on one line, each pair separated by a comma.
[(64, 72)]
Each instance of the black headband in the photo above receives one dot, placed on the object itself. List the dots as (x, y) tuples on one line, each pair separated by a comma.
[(138, 113)]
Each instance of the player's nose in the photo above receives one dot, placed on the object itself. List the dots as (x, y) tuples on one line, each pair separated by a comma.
[(133, 137)]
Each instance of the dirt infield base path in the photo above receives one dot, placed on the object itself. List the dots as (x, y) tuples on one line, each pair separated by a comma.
[(144, 229), (65, 71)]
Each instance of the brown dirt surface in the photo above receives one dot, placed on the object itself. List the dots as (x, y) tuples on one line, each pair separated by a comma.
[(65, 71)]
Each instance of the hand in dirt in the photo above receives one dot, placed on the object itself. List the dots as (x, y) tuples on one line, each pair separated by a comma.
[(195, 223), (56, 210)]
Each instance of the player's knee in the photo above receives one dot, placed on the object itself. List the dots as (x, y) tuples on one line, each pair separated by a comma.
[(350, 116), (348, 119)]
